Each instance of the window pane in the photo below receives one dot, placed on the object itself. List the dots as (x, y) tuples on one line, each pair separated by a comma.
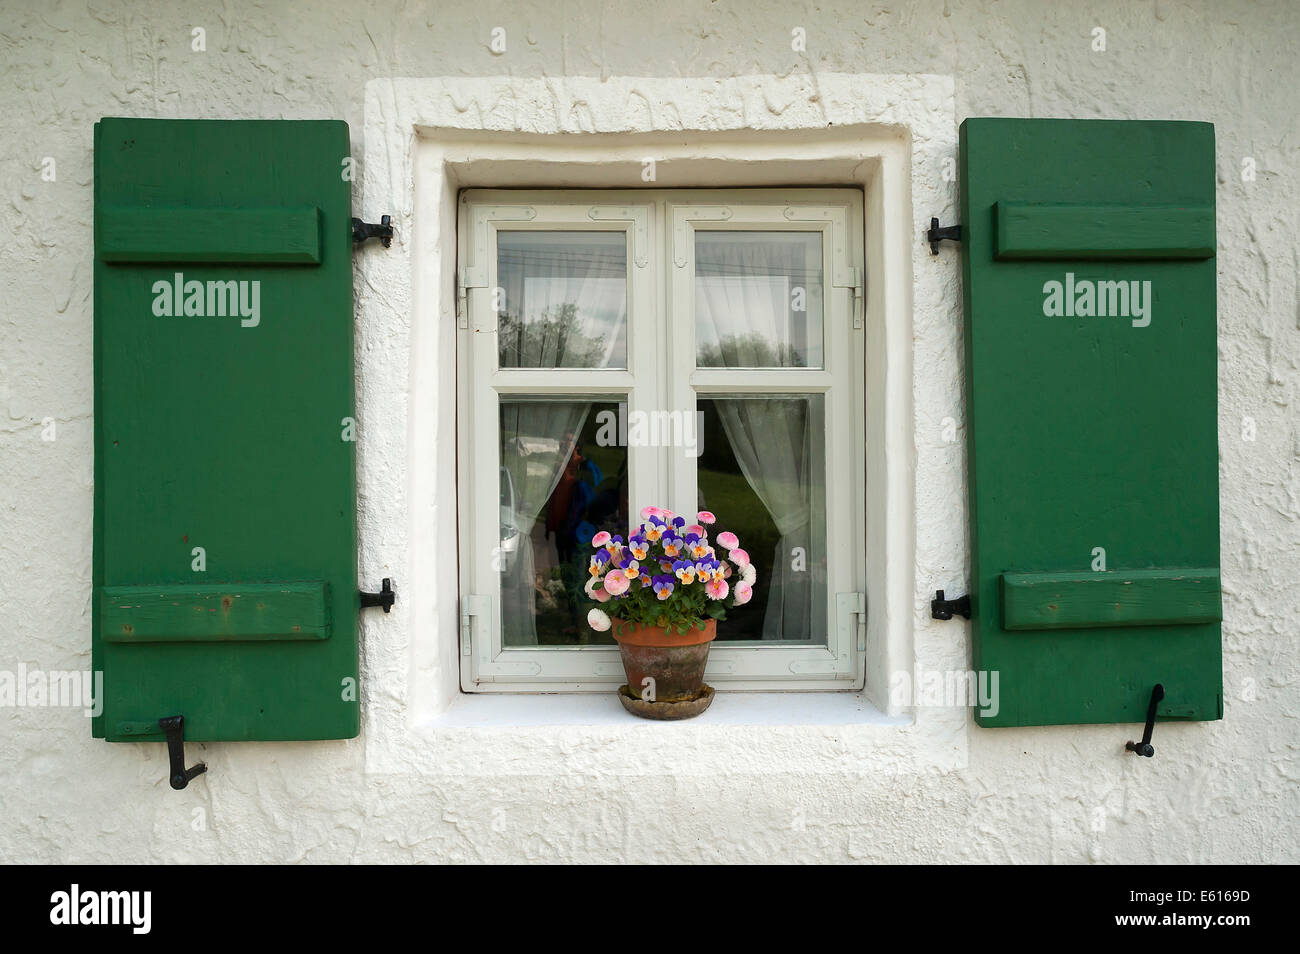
[(559, 486), (758, 299), (565, 299), (762, 473)]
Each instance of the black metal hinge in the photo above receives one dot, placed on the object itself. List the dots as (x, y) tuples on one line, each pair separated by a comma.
[(950, 233), (368, 230), (384, 598), (941, 608)]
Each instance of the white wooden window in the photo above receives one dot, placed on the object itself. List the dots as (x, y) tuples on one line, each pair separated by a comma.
[(691, 349)]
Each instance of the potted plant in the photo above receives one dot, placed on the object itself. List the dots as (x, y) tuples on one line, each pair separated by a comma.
[(661, 595)]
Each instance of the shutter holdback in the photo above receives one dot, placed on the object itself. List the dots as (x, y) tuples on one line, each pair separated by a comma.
[(1145, 747), (178, 775)]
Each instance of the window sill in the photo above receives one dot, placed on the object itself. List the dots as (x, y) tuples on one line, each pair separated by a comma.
[(579, 735), (496, 710)]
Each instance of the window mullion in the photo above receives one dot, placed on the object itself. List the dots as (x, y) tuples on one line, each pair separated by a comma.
[(679, 263)]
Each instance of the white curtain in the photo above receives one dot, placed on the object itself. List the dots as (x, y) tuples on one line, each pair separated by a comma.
[(565, 306), (758, 299), (537, 438), (745, 318), (771, 438)]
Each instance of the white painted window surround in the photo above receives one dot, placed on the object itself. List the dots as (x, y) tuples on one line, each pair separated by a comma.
[(426, 140)]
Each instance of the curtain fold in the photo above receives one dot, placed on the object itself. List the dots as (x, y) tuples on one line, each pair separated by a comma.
[(535, 461), (771, 440)]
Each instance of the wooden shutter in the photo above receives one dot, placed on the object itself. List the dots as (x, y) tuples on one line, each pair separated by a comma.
[(225, 432), (1092, 432)]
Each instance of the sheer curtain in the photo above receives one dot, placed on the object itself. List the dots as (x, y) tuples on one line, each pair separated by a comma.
[(565, 306), (745, 317), (758, 299), (565, 299), (537, 439), (771, 438)]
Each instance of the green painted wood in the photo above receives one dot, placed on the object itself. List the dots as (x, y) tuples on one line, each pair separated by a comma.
[(226, 433), (212, 236), (1084, 432), (283, 611), (1049, 230), (1157, 597)]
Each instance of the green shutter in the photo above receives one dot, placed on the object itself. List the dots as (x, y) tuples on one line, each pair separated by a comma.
[(224, 431), (1089, 431)]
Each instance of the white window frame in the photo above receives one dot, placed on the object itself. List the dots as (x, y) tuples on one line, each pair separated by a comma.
[(660, 227)]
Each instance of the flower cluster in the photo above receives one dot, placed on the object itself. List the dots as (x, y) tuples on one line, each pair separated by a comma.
[(667, 573)]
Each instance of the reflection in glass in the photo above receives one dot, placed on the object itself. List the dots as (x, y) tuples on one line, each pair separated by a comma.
[(762, 473), (563, 299), (559, 487), (758, 299)]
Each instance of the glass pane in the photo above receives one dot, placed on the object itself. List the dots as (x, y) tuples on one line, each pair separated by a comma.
[(559, 487), (758, 299), (762, 473), (564, 299)]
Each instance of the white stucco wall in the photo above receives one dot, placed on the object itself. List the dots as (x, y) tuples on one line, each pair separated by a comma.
[(427, 784)]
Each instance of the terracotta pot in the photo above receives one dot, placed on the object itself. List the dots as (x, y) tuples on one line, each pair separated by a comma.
[(675, 661)]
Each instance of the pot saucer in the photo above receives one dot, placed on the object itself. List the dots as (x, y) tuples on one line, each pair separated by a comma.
[(685, 709)]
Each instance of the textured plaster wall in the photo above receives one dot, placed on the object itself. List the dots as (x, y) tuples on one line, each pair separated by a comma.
[(1222, 791)]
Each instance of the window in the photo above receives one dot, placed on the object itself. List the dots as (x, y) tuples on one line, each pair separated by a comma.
[(692, 349)]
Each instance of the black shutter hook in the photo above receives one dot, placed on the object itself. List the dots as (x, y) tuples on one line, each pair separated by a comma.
[(178, 775), (1145, 747)]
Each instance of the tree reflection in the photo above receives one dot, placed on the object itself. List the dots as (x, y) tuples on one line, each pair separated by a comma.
[(553, 339), (749, 350)]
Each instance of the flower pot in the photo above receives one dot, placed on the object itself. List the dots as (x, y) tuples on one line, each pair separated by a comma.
[(675, 661)]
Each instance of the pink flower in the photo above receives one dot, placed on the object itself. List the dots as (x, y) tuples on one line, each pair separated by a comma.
[(705, 516), (727, 540), (744, 592), (648, 512), (616, 582), (716, 589), (739, 557), (598, 620), (698, 530), (596, 591), (600, 539), (748, 573), (726, 571)]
